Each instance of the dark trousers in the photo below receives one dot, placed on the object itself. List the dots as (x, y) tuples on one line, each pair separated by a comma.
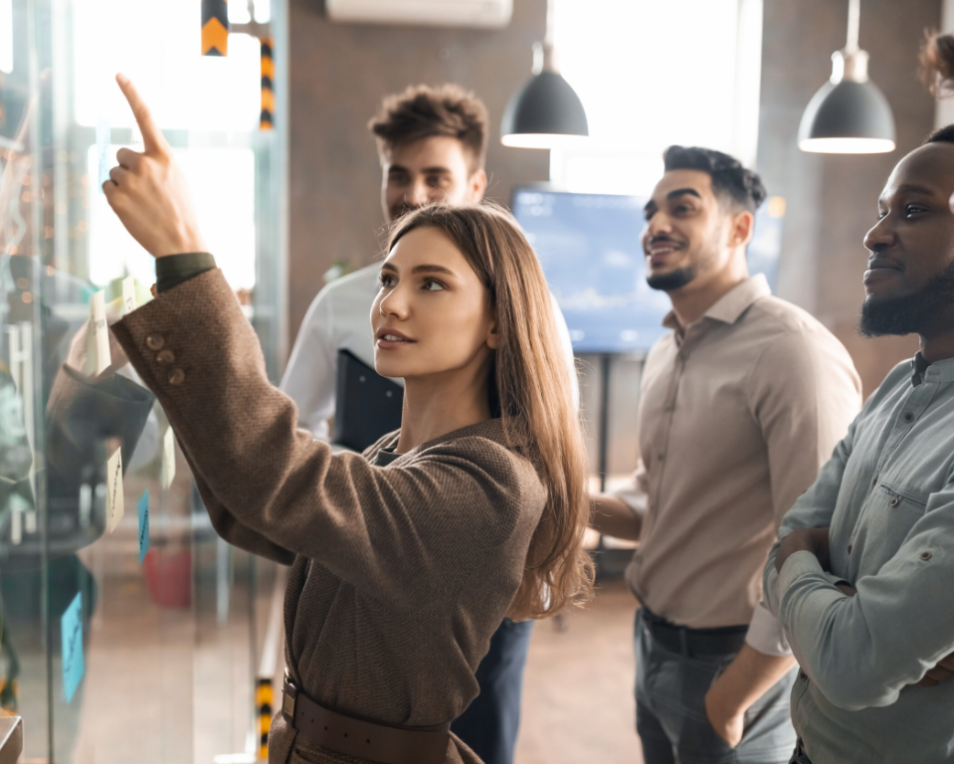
[(489, 725), (671, 717)]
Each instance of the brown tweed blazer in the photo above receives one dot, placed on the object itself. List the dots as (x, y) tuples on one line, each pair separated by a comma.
[(400, 574)]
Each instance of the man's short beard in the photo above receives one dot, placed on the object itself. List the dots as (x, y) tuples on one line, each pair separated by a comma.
[(670, 282), (911, 313)]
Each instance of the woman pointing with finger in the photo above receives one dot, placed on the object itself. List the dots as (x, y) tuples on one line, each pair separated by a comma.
[(406, 558)]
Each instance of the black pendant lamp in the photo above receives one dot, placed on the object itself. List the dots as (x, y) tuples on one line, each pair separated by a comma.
[(545, 113), (849, 115)]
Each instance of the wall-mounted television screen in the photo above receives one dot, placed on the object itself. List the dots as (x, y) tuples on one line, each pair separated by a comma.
[(590, 250)]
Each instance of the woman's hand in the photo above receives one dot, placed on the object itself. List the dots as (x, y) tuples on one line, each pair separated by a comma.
[(148, 190)]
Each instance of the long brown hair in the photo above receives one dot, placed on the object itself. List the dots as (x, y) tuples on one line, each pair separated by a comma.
[(530, 390)]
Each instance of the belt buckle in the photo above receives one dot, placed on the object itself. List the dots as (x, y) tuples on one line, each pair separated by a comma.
[(289, 694)]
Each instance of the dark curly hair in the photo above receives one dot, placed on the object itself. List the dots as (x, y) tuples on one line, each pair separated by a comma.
[(743, 188), (422, 112)]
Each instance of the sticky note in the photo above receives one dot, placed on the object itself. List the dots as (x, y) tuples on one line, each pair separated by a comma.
[(167, 472), (114, 490), (129, 295), (143, 508), (102, 150), (100, 334), (71, 630)]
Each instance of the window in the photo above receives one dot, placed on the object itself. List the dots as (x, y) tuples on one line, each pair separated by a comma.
[(636, 66)]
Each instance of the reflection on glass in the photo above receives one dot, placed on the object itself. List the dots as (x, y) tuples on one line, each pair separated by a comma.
[(180, 628)]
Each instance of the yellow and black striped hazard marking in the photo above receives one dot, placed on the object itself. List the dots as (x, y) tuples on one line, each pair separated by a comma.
[(267, 119), (263, 703), (215, 27)]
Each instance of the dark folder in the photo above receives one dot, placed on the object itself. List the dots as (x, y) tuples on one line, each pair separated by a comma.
[(367, 405)]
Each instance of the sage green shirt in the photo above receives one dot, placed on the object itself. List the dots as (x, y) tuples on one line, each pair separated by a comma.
[(887, 495)]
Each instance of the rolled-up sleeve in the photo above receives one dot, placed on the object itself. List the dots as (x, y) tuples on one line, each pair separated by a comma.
[(635, 495), (862, 651)]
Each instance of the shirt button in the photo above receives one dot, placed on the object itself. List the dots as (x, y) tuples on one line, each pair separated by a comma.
[(908, 417), (165, 357), (894, 501), (926, 556), (660, 457), (874, 480), (849, 549), (176, 377), (155, 342)]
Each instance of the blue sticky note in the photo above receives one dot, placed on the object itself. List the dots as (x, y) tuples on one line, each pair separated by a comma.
[(71, 628), (143, 508), (102, 150)]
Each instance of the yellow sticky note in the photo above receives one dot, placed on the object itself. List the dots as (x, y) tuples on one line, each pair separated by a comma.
[(167, 471), (100, 332), (114, 490), (129, 295)]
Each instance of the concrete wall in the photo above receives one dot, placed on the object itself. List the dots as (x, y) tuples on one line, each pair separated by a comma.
[(832, 199), (339, 72)]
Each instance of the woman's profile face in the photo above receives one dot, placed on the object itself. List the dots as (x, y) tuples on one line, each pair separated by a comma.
[(432, 314)]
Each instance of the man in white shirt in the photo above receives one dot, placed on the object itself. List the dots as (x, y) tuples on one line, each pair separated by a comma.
[(432, 143)]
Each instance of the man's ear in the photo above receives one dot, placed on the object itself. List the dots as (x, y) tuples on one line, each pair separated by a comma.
[(743, 226), (478, 185)]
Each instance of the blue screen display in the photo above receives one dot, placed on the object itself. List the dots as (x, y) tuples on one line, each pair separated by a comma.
[(589, 247)]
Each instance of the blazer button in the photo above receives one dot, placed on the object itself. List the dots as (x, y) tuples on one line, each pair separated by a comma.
[(176, 376), (165, 357), (155, 342)]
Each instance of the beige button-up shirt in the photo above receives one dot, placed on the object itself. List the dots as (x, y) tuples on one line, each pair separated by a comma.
[(738, 411)]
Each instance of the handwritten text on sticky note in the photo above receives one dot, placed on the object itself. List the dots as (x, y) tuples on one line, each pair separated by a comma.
[(114, 490), (99, 334), (71, 629), (143, 508), (129, 295)]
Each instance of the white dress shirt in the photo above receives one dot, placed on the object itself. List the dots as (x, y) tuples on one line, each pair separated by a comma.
[(340, 319)]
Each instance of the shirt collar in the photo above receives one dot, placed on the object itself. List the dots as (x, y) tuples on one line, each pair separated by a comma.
[(939, 371), (730, 307), (919, 365)]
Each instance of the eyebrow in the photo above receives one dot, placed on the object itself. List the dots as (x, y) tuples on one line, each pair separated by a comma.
[(420, 269), (425, 171), (913, 188), (910, 188), (673, 195)]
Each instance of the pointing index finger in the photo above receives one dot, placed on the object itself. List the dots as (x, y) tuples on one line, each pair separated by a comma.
[(152, 137)]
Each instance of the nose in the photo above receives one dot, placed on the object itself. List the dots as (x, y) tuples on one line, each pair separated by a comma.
[(881, 236), (658, 225), (393, 302), (418, 195)]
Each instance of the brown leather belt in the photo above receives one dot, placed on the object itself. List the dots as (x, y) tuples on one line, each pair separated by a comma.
[(363, 738)]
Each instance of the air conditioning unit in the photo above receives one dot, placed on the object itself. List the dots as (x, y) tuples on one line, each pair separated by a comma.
[(446, 13)]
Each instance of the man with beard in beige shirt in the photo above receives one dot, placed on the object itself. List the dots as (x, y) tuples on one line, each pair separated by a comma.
[(740, 405)]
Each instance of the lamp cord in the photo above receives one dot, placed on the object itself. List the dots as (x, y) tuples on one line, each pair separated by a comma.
[(854, 22)]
